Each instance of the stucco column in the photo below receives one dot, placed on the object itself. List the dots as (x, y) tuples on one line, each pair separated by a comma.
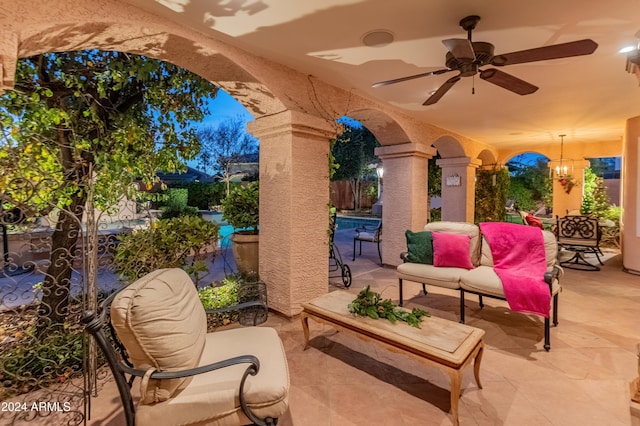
[(563, 201), (458, 188), (630, 221), (404, 196), (294, 216)]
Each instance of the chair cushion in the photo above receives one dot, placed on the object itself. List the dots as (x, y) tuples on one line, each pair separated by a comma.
[(160, 321), (460, 228), (419, 247), (451, 250), (212, 398), (366, 236)]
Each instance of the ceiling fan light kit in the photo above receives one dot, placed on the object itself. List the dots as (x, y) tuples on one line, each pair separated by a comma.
[(467, 57)]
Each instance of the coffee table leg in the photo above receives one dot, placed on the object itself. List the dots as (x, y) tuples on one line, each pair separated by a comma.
[(456, 380), (476, 364), (305, 328)]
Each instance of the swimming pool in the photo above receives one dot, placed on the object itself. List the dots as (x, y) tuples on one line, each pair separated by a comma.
[(225, 231), (346, 222)]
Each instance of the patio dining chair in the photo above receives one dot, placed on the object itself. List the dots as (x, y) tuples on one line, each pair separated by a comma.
[(581, 235), (157, 332), (368, 234)]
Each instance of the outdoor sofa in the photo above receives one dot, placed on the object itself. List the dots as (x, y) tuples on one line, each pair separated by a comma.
[(479, 277)]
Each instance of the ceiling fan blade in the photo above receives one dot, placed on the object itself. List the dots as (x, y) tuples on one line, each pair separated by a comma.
[(461, 48), (442, 90), (556, 51), (507, 81), (411, 77)]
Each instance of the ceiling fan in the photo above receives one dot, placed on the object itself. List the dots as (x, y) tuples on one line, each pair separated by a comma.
[(466, 57)]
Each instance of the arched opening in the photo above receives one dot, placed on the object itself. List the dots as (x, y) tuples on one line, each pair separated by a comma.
[(530, 189)]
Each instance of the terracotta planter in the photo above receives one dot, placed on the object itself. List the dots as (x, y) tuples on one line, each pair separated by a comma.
[(245, 252)]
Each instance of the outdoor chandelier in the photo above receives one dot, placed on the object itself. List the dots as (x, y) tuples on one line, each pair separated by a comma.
[(563, 169)]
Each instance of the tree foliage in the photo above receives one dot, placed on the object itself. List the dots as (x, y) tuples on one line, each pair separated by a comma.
[(530, 184), (223, 147), (91, 121), (353, 152), (492, 187)]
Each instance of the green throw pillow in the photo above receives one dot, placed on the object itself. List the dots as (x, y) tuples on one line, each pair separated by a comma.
[(419, 247)]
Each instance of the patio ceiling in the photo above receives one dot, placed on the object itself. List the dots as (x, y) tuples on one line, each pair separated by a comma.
[(588, 98)]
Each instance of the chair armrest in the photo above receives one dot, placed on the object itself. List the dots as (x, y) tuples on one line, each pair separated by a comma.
[(367, 228), (162, 375), (252, 369), (556, 273)]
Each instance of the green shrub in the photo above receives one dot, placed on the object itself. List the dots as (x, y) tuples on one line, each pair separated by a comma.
[(204, 195), (177, 198), (241, 207), (222, 296), (233, 289), (436, 215), (174, 203), (179, 242), (33, 363), (170, 213)]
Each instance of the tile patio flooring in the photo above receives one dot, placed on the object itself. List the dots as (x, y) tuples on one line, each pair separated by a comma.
[(584, 380)]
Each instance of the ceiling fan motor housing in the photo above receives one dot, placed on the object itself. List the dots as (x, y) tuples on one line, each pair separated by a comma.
[(483, 52)]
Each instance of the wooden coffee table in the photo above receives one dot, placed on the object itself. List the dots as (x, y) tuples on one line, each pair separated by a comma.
[(445, 344)]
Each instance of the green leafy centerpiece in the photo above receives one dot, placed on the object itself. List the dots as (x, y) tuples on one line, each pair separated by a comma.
[(370, 304)]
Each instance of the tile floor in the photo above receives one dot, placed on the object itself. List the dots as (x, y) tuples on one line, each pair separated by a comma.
[(584, 380)]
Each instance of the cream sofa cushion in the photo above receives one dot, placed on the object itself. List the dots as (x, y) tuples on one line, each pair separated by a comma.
[(161, 322), (266, 393), (460, 228), (550, 250), (483, 279), (428, 274)]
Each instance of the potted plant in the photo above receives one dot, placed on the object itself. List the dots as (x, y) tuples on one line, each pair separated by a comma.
[(241, 210)]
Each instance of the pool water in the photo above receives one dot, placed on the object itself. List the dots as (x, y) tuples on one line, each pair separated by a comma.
[(225, 231), (344, 222)]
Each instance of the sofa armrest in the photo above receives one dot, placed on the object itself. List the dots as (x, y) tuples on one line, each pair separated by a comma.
[(553, 274)]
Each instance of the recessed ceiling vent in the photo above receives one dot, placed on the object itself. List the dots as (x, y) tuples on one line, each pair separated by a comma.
[(377, 38)]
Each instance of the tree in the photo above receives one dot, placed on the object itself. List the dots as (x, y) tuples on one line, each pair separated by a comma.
[(91, 122), (530, 183), (353, 152), (223, 147)]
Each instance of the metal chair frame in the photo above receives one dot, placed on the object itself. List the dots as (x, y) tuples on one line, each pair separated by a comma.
[(98, 325), (580, 234), (377, 237)]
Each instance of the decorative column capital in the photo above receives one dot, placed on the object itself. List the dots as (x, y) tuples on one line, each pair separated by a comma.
[(409, 149), (458, 162), (293, 122)]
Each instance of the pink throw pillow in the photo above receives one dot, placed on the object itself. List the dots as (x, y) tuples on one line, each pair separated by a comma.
[(533, 221), (451, 250)]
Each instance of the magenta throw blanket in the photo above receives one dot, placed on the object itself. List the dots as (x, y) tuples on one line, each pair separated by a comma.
[(519, 260)]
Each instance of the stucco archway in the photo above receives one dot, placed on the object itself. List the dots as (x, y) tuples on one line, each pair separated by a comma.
[(294, 144)]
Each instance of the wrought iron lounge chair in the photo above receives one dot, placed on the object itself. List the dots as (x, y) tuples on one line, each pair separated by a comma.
[(188, 376)]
